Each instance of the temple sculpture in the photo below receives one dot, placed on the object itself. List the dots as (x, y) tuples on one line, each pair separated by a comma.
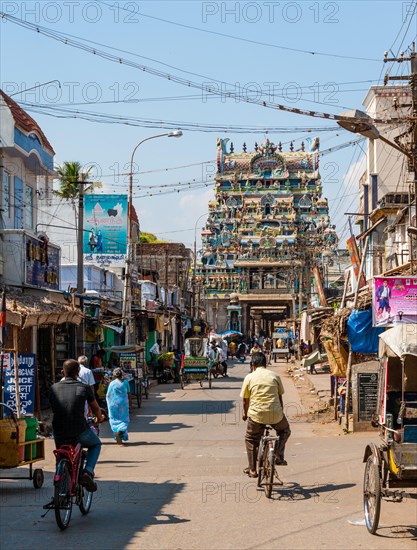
[(267, 227)]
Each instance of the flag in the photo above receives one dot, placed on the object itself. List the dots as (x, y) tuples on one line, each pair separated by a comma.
[(3, 319)]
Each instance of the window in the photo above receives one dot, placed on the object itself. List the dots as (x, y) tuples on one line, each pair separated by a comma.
[(18, 203), (28, 206), (6, 193)]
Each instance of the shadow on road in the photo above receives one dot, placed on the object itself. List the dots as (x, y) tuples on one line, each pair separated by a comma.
[(328, 493), (123, 461), (398, 532), (120, 512), (201, 406)]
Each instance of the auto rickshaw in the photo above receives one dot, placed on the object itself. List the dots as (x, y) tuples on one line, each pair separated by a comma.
[(391, 467)]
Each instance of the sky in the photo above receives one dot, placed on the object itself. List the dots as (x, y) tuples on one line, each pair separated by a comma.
[(249, 50)]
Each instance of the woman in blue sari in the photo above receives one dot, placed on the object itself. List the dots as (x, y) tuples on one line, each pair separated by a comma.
[(119, 403)]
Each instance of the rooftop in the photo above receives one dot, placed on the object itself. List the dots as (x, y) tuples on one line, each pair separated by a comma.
[(25, 122)]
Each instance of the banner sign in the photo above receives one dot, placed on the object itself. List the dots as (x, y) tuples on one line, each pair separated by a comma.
[(42, 262), (2, 319), (355, 259), (319, 285), (105, 224), (27, 380), (394, 301)]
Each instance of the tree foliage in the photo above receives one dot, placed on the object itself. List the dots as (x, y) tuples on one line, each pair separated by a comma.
[(149, 238), (70, 174)]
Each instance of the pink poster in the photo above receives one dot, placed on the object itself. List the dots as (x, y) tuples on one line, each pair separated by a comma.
[(394, 300)]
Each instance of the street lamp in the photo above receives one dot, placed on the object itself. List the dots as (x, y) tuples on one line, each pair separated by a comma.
[(127, 304), (359, 122)]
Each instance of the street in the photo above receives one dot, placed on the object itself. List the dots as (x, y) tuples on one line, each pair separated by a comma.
[(178, 483)]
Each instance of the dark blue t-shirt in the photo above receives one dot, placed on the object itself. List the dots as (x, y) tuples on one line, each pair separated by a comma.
[(67, 399)]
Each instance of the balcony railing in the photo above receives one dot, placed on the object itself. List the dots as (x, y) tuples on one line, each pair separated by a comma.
[(269, 291)]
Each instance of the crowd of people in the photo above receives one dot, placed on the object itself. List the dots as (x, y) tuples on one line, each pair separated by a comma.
[(74, 399)]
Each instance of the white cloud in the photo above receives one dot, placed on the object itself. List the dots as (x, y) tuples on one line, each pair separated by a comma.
[(196, 204)]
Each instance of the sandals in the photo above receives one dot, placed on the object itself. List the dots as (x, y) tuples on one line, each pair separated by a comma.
[(248, 472)]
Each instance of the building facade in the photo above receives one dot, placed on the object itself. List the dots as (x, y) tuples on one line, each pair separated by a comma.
[(386, 188), (266, 229), (40, 319)]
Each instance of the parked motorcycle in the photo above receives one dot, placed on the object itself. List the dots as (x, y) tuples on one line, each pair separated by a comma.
[(218, 369), (241, 358), (164, 375)]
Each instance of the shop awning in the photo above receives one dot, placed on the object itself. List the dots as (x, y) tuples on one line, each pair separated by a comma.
[(133, 348), (29, 311)]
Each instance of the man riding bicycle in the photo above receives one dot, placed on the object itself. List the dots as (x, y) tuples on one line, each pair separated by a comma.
[(67, 399), (262, 392)]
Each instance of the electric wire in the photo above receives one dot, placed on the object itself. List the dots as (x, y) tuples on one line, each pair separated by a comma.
[(155, 72), (286, 48)]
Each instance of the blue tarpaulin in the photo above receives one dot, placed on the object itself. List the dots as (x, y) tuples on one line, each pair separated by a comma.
[(363, 338)]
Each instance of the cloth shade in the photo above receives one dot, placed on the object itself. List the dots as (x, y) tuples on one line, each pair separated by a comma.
[(363, 337)]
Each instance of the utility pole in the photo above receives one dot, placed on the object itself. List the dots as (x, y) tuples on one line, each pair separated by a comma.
[(80, 262), (300, 306), (409, 147), (166, 333)]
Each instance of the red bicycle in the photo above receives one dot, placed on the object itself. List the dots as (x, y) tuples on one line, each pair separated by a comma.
[(67, 487)]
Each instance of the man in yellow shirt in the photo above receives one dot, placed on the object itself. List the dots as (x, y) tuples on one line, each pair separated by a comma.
[(262, 392)]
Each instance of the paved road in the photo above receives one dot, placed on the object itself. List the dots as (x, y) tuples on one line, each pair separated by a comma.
[(179, 484)]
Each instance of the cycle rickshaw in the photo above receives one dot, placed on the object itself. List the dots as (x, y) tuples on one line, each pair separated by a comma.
[(195, 365), (391, 467)]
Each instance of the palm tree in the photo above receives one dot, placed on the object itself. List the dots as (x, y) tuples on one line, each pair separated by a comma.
[(70, 175)]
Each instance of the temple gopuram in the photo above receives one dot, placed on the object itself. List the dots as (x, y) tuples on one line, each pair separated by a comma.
[(266, 229)]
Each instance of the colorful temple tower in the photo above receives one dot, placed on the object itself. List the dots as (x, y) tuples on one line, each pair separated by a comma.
[(266, 229)]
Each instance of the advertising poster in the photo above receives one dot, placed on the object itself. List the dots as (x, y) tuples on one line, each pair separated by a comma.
[(128, 361), (105, 228), (42, 262), (27, 380), (394, 301)]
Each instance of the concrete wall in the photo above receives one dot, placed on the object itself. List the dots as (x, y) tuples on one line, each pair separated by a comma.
[(383, 159)]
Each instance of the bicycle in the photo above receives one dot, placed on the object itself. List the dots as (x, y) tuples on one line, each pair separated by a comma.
[(67, 487), (267, 454)]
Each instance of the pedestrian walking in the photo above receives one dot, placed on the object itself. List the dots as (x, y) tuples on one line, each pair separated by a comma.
[(119, 403)]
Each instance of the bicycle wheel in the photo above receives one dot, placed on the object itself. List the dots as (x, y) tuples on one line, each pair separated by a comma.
[(271, 471), (146, 388), (84, 496), (260, 465), (268, 469), (85, 500), (62, 495), (372, 495)]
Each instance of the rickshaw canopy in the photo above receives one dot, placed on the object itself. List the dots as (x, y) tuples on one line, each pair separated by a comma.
[(195, 347), (399, 341), (128, 348)]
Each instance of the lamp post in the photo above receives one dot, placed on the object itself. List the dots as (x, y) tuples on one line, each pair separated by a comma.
[(82, 176), (127, 304), (195, 264)]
